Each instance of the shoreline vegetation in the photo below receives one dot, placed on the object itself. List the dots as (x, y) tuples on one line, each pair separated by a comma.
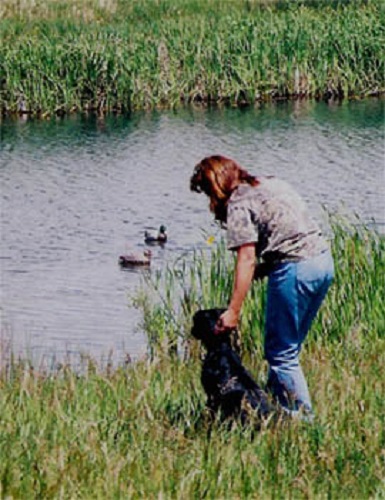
[(61, 57), (141, 430)]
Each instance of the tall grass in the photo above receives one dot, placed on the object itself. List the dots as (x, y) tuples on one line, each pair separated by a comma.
[(63, 56), (140, 431)]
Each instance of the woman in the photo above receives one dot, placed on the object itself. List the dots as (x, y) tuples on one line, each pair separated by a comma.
[(269, 226)]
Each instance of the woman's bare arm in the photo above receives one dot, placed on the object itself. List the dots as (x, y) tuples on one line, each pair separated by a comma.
[(244, 274)]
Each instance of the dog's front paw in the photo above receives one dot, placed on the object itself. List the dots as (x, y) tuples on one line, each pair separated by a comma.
[(229, 386)]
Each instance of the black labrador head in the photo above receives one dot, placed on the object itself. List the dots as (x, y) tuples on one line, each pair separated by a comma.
[(204, 322)]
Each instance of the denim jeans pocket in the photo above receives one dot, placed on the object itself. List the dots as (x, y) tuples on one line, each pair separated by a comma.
[(316, 272)]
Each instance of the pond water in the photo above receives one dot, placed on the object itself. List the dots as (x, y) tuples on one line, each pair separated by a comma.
[(78, 192)]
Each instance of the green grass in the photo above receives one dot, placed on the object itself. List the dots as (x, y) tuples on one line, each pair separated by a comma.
[(141, 431), (114, 55)]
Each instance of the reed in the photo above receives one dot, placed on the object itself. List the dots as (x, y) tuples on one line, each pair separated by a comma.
[(63, 56), (140, 431)]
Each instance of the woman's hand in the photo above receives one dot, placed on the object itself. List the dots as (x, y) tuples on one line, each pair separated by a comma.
[(227, 321)]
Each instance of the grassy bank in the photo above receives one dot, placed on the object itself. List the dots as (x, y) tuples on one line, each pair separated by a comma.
[(140, 431), (114, 55)]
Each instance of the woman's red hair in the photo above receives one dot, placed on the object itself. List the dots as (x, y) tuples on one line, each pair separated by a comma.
[(217, 177)]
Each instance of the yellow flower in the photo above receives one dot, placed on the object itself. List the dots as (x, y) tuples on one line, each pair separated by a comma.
[(210, 240)]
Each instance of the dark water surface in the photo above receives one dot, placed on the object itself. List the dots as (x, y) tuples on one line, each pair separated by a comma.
[(78, 192)]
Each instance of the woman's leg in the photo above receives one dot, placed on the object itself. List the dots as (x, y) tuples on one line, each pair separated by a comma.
[(295, 293), (286, 380), (314, 277)]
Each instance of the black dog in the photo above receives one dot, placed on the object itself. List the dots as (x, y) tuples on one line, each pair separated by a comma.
[(230, 388)]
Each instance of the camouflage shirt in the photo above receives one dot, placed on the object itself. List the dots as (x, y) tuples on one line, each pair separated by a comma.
[(274, 217)]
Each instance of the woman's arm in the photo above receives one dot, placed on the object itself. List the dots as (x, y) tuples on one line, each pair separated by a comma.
[(244, 273)]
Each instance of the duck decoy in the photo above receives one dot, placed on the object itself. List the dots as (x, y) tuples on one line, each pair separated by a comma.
[(156, 236), (135, 259)]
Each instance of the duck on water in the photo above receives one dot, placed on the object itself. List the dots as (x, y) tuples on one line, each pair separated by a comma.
[(156, 236), (136, 258)]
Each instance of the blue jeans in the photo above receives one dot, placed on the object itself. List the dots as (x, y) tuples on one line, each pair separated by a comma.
[(294, 294)]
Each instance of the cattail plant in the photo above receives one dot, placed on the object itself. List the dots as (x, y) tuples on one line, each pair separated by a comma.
[(58, 57)]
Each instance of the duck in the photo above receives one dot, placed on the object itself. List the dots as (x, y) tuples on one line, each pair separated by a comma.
[(136, 259), (153, 236)]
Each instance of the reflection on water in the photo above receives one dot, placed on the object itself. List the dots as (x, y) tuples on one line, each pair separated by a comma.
[(78, 192)]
